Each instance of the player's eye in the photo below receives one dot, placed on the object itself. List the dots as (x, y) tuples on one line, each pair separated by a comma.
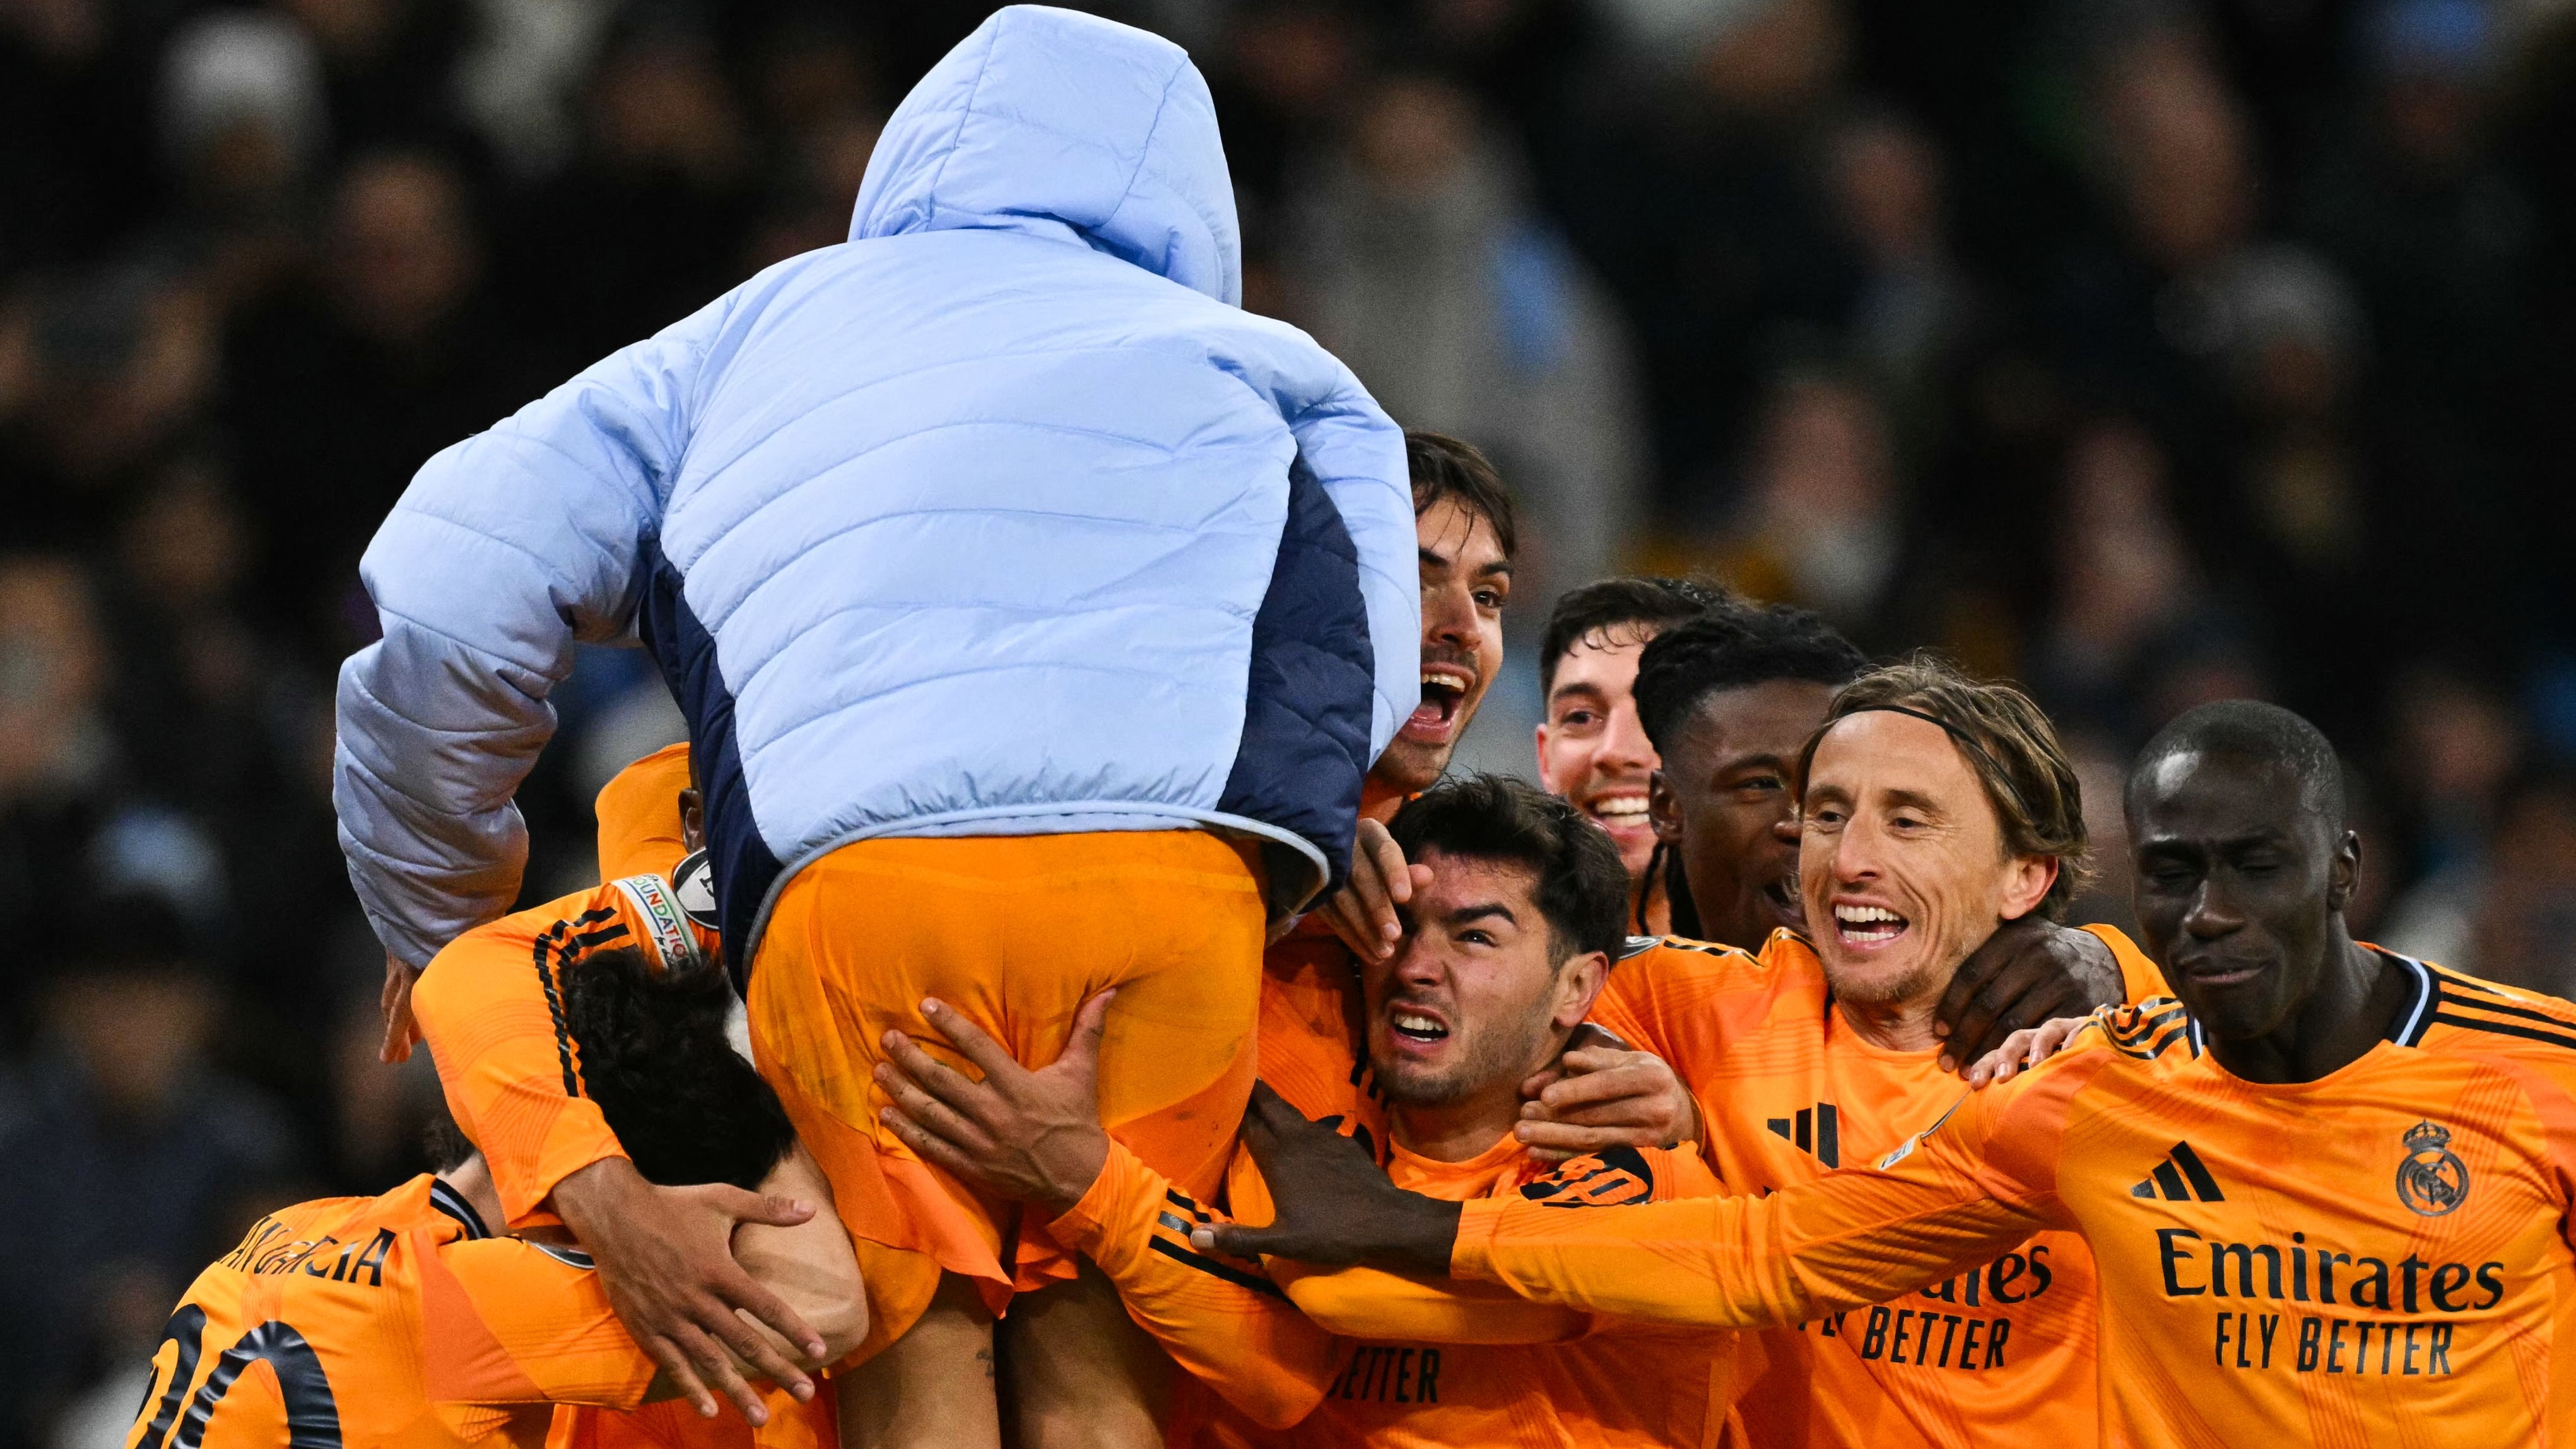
[(1489, 599), (1577, 718), (1476, 938)]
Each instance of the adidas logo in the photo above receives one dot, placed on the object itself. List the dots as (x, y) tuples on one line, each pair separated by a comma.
[(1814, 1130), (2181, 1177)]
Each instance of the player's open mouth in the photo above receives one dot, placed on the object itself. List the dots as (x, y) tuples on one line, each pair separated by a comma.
[(1415, 1025), (1867, 928), (1618, 812), (1782, 897), (1444, 688)]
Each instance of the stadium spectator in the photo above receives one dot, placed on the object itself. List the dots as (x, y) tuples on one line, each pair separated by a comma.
[(130, 1155)]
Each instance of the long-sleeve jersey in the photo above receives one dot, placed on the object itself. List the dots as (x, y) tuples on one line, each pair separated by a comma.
[(491, 1008), (1415, 1370), (1361, 1357), (388, 1320), (1788, 1092), (2378, 1257)]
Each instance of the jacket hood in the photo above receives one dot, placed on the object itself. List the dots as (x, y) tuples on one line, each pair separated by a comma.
[(1047, 121)]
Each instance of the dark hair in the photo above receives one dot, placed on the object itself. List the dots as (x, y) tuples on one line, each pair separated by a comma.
[(1604, 605), (1444, 467), (2251, 729), (653, 1053), (2010, 744), (443, 1142), (1582, 887), (130, 931), (1689, 662)]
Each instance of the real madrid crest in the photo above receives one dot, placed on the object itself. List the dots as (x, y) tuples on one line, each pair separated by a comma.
[(2431, 1180)]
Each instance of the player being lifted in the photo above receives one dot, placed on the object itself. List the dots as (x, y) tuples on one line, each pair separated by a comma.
[(1506, 947), (939, 537), (404, 1319), (2328, 1191)]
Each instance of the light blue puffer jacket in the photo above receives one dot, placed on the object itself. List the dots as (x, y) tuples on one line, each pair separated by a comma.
[(1000, 518)]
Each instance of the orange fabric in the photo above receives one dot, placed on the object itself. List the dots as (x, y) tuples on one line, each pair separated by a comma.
[(673, 1424), (1014, 933), (1416, 1362), (1788, 1092), (1266, 1373), (382, 1321), (490, 1007), (639, 815), (2379, 1257)]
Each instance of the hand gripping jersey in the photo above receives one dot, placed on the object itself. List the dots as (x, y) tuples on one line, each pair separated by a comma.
[(1362, 1357), (393, 1320), (1789, 1092), (2380, 1257)]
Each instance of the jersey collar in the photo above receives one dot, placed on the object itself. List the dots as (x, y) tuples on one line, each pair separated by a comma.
[(2406, 1029), (451, 1202)]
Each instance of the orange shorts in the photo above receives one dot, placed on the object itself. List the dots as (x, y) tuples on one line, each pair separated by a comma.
[(1015, 933)]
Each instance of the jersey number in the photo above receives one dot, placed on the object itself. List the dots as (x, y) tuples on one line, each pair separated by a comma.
[(312, 1415)]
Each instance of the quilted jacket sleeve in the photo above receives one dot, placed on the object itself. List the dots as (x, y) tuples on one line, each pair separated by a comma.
[(505, 550)]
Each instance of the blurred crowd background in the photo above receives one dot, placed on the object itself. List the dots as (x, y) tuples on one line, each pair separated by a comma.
[(2143, 351)]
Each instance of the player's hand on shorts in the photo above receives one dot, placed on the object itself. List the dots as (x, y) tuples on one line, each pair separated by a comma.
[(1363, 911), (2022, 1050), (665, 1254), (2028, 972), (1336, 1206), (1600, 1093), (1032, 1135), (400, 1029)]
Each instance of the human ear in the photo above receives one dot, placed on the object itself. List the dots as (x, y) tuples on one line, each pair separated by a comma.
[(2026, 883), (693, 819), (2343, 872), (1578, 983), (1663, 809)]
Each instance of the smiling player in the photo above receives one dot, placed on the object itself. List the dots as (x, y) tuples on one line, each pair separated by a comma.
[(2330, 1190), (1591, 748)]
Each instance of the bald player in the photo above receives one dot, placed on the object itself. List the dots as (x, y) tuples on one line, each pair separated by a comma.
[(2329, 1189)]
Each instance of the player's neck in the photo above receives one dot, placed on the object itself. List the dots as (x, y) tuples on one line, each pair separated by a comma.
[(1897, 1026), (1461, 1130), (2358, 994), (472, 1181)]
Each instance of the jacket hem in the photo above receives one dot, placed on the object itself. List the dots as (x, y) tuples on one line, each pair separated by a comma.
[(997, 820)]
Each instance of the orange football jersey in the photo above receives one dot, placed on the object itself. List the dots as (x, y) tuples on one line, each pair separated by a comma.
[(1415, 1362), (395, 1320), (2379, 1257), (1788, 1092)]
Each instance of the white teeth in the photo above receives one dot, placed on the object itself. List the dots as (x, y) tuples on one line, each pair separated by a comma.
[(1409, 1021), (1861, 915), (1623, 807), (1445, 680)]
